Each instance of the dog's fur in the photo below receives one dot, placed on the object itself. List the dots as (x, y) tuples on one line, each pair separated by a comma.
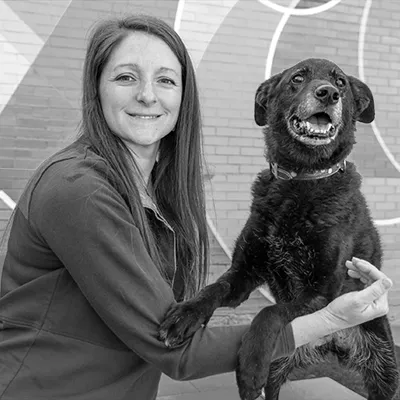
[(299, 235)]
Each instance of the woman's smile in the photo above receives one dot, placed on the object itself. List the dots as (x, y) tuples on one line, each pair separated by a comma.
[(145, 116)]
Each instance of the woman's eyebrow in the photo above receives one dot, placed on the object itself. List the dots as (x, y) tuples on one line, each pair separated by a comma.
[(137, 67), (165, 69), (130, 65)]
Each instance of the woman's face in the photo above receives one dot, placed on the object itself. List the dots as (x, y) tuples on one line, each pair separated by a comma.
[(140, 91)]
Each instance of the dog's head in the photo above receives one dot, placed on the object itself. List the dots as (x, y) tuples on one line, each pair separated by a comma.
[(309, 112)]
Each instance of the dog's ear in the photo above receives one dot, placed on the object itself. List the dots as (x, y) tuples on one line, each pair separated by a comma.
[(263, 95), (364, 100)]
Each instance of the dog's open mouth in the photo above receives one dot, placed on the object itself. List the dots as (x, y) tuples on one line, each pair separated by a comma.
[(314, 130)]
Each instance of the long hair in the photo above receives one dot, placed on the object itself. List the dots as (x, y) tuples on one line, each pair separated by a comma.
[(177, 178)]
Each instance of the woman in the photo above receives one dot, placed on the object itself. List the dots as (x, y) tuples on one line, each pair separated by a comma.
[(111, 231)]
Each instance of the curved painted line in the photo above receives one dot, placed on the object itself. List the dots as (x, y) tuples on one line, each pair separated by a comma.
[(220, 241), (213, 229), (301, 11), (287, 12), (7, 200), (361, 73), (276, 36), (211, 32), (178, 16), (386, 222), (264, 289), (375, 129)]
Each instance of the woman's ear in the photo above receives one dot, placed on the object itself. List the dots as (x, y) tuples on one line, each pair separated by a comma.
[(364, 100)]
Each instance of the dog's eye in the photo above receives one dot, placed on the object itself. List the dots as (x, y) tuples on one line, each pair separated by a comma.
[(297, 78), (340, 82)]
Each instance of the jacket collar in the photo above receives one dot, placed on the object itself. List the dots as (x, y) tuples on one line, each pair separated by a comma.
[(148, 202)]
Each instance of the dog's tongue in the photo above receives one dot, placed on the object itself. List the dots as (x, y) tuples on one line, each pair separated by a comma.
[(319, 120)]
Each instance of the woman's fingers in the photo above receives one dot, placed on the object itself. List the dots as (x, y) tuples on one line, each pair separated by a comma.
[(365, 269), (357, 275)]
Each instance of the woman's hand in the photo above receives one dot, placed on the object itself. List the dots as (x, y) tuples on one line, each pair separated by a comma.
[(347, 310), (355, 308)]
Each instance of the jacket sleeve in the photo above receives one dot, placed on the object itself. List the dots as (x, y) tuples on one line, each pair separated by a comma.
[(87, 224)]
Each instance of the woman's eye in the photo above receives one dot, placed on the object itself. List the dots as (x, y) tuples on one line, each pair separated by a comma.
[(297, 78), (167, 81), (125, 78), (340, 82)]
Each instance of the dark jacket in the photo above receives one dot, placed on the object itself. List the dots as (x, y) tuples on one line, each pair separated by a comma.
[(82, 300)]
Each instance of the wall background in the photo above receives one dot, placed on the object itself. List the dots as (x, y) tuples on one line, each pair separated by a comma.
[(235, 45)]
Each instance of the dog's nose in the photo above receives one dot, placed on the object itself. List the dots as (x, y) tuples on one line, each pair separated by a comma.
[(327, 94)]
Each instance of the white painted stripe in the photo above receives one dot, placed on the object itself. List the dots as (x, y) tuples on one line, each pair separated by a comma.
[(300, 11), (221, 242), (361, 42), (375, 129), (13, 68), (276, 36), (14, 65), (20, 30), (287, 12), (264, 290), (7, 200), (199, 41), (178, 16), (386, 222), (217, 236), (10, 54)]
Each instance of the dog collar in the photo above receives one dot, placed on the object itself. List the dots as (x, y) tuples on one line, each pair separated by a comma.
[(281, 173)]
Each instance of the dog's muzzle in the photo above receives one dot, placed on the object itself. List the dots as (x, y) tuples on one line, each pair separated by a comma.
[(317, 129)]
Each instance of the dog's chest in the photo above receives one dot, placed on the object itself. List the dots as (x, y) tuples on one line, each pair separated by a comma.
[(306, 236), (290, 267), (304, 210)]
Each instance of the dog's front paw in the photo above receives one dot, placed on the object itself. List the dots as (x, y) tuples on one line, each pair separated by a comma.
[(181, 322), (253, 365)]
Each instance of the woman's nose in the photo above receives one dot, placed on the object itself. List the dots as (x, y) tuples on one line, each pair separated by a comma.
[(146, 93)]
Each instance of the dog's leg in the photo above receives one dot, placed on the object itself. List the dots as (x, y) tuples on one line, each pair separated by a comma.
[(230, 290), (371, 352), (281, 368), (278, 374), (183, 319), (255, 353), (379, 370), (258, 344)]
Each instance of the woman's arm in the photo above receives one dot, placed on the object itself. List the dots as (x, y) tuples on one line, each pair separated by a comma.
[(87, 224)]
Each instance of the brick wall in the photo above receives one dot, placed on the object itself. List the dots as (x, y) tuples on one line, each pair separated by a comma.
[(231, 42)]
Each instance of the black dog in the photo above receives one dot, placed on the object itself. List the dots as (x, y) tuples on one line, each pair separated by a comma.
[(307, 218)]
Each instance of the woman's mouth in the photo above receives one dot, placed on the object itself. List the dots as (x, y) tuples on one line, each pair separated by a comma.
[(144, 116)]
